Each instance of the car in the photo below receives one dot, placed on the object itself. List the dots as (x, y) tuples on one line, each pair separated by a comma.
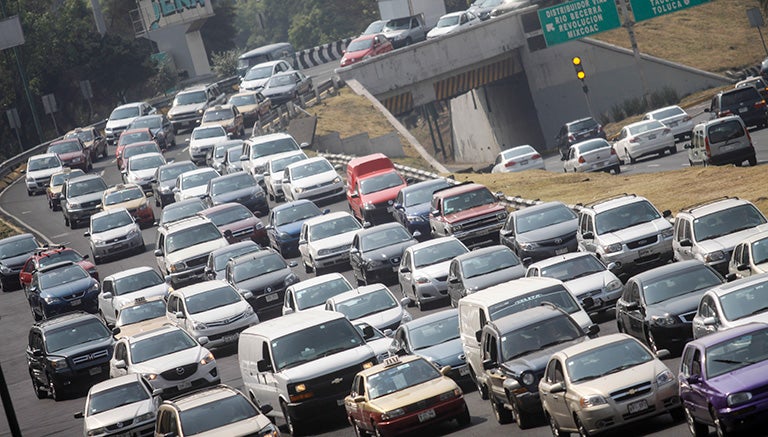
[(258, 75), (129, 399), (122, 116), (252, 104), (168, 357), (235, 414), (745, 102), (658, 306), (273, 176), (123, 288), (211, 309), (411, 207), (51, 254), (675, 119), (312, 293), (403, 394), (749, 257), (164, 180), (365, 47), (132, 198), (238, 188), (285, 222), (577, 131), (67, 352), (113, 232), (39, 170), (606, 383), (372, 186), (189, 104), (374, 27), (515, 351), (592, 282), (258, 150), (376, 252), (202, 139), (469, 212), (139, 135), (721, 141), (482, 8), (180, 210), (406, 30), (14, 253), (161, 129), (232, 162), (480, 269), (756, 82), (141, 315), (516, 159), (215, 267), (509, 5), (53, 191), (591, 155), (642, 138), (423, 270), (226, 116), (733, 304), (324, 241), (626, 230), (94, 142), (134, 149), (61, 288), (373, 304), (81, 198), (71, 153), (141, 169), (215, 158), (287, 86), (236, 223), (193, 183), (720, 378), (709, 230), (264, 275), (541, 231), (452, 22), (377, 340)]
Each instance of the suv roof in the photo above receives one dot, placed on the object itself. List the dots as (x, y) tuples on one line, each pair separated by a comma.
[(84, 177), (294, 322), (185, 223), (64, 319), (202, 396), (613, 202), (712, 205)]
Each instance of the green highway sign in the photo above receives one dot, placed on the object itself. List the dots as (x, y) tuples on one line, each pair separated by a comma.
[(577, 19), (646, 9)]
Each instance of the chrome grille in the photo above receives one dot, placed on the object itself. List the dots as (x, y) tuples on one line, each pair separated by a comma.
[(119, 425), (244, 231), (77, 295), (481, 222), (197, 261), (631, 392), (90, 357), (320, 185), (179, 373), (643, 242), (559, 241)]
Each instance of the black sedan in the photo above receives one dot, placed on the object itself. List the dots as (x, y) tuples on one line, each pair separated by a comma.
[(375, 253), (14, 252), (286, 86), (238, 187), (480, 269), (541, 231), (266, 275)]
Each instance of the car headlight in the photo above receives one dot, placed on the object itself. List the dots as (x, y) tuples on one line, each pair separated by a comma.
[(415, 219), (51, 299), (373, 263), (164, 189), (30, 179), (144, 417), (77, 160), (322, 252), (528, 246), (422, 280), (134, 232), (269, 431), (714, 256), (407, 317), (200, 111), (612, 248), (97, 431), (527, 378), (613, 285), (207, 359), (198, 326), (59, 363), (664, 378), (665, 320), (592, 401), (73, 205), (392, 414), (450, 394), (369, 206), (291, 279), (97, 241), (177, 267), (248, 311), (150, 376), (298, 190), (502, 216), (368, 364), (667, 233), (738, 398), (4, 269), (336, 180)]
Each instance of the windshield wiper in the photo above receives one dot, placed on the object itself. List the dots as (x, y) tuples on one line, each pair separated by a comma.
[(564, 340), (734, 361), (620, 368), (582, 274), (333, 351), (296, 363)]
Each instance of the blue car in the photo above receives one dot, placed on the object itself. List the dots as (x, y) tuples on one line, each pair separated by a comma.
[(62, 288), (285, 224), (239, 187), (412, 204)]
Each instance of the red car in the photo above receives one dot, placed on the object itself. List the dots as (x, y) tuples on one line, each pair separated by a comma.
[(364, 47), (372, 186), (131, 136), (46, 256), (237, 223), (71, 153)]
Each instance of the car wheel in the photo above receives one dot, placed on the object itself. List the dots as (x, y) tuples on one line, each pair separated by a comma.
[(359, 432), (481, 388), (523, 421), (29, 193), (66, 221), (678, 414), (157, 200), (690, 163), (40, 391), (582, 429), (565, 170), (697, 429), (502, 414), (720, 427), (289, 423), (464, 419), (141, 248), (96, 259), (630, 158), (651, 341), (554, 428), (617, 170), (54, 390), (673, 149), (752, 161), (271, 196)]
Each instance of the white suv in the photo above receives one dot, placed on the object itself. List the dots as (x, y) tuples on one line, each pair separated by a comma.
[(626, 230), (182, 248)]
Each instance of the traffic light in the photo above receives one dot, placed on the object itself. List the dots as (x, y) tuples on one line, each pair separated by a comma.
[(579, 68)]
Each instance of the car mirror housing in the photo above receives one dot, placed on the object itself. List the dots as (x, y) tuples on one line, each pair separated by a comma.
[(445, 370), (663, 353), (120, 364), (557, 387), (263, 366)]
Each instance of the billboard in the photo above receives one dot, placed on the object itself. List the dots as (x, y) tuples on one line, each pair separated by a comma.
[(11, 34), (156, 14)]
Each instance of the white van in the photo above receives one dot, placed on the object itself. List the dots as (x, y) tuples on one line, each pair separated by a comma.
[(476, 309), (724, 140), (304, 363)]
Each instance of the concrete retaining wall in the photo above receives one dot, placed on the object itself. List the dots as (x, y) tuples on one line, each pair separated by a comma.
[(322, 54)]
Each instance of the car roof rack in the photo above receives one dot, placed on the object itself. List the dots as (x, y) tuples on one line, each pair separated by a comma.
[(690, 208), (606, 199)]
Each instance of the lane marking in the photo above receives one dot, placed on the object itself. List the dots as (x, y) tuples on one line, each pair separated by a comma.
[(25, 212), (185, 149), (653, 165), (60, 235)]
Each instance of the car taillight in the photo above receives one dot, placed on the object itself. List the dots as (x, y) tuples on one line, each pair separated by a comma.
[(724, 113), (582, 160), (706, 146), (536, 156), (634, 140), (510, 164), (571, 137), (760, 104), (613, 151)]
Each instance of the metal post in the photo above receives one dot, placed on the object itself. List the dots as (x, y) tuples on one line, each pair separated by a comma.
[(10, 414), (585, 89), (763, 40), (629, 24)]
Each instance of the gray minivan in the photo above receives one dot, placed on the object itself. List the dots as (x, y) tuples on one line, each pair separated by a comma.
[(721, 141), (271, 52)]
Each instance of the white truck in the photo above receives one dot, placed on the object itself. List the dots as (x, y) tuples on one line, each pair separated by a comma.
[(430, 10)]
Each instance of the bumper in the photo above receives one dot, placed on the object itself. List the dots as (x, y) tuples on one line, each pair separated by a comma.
[(480, 236), (175, 388), (744, 415), (603, 300), (386, 273), (529, 403), (379, 215), (332, 260), (165, 198), (119, 247), (288, 245), (225, 335), (179, 279), (267, 304), (651, 148), (320, 194), (672, 337), (89, 304), (629, 262), (143, 429), (186, 122), (11, 280), (85, 376), (77, 215), (539, 252), (36, 187), (434, 291), (598, 166), (445, 411), (733, 157), (310, 410), (613, 415)]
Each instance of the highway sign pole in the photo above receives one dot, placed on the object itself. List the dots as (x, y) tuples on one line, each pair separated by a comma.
[(756, 20), (629, 25)]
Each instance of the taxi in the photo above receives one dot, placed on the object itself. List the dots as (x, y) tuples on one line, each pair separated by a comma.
[(403, 394), (132, 198), (142, 315), (53, 191)]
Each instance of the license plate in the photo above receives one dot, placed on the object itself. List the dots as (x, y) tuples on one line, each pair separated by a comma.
[(184, 385), (652, 137), (75, 302), (229, 338), (644, 252), (728, 148), (271, 297), (595, 166), (339, 402), (94, 370), (743, 109), (561, 251), (636, 407), (390, 209), (524, 162), (464, 371), (427, 415)]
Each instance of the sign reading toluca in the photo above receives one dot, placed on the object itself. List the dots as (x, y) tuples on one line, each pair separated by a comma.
[(646, 9), (577, 19)]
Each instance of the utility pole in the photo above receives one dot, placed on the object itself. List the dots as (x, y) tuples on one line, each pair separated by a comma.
[(629, 25)]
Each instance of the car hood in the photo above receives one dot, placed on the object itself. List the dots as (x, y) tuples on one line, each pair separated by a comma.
[(47, 172), (292, 229), (604, 385), (114, 233), (634, 232), (335, 241), (253, 84), (171, 361), (145, 326), (549, 232), (240, 224), (393, 34), (278, 90), (243, 427), (236, 194), (196, 250), (437, 31), (382, 196), (388, 252), (118, 124), (726, 243), (16, 262), (434, 270), (484, 281), (477, 211), (383, 318), (592, 282), (203, 142), (315, 179), (259, 282), (221, 313), (422, 209), (744, 379), (537, 360), (677, 305), (248, 108), (426, 390), (130, 204), (156, 290), (78, 349), (86, 197), (143, 174), (330, 364), (197, 191), (119, 414), (380, 346), (449, 353), (183, 109)]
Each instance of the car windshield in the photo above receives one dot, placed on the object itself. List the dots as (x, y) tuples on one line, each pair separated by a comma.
[(422, 195), (61, 276), (218, 114), (220, 260), (279, 164), (366, 304), (134, 137), (760, 251), (727, 221), (725, 131), (317, 294), (399, 377), (437, 253), (190, 98), (202, 133), (538, 336), (235, 213), (380, 182), (315, 342), (141, 312), (59, 178), (212, 299), (81, 188), (526, 221), (232, 183), (737, 352), (374, 27), (121, 196), (258, 266), (17, 247), (452, 20), (644, 126), (518, 151), (154, 122), (116, 397), (243, 100), (279, 145), (123, 113), (140, 149), (137, 281), (155, 346), (44, 163), (556, 295), (468, 200), (582, 125), (78, 333), (196, 179), (64, 147), (220, 150), (189, 237), (437, 332), (146, 162), (312, 168), (181, 211), (216, 414), (296, 213), (171, 172), (745, 301), (282, 80), (360, 44), (388, 236), (573, 268), (258, 73), (398, 24), (607, 359), (333, 227), (625, 216), (489, 262), (110, 221), (696, 279), (667, 113), (57, 257)]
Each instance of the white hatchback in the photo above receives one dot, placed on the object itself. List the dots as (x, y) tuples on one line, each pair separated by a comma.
[(518, 159), (313, 179), (372, 304), (591, 155), (193, 183), (113, 403), (273, 176)]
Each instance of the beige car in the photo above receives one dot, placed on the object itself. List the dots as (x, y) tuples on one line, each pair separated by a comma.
[(606, 383), (226, 116), (252, 104), (750, 257), (144, 314), (132, 198), (53, 191)]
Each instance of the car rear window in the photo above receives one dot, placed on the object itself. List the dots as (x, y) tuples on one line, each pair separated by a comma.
[(589, 146), (582, 125), (734, 97), (666, 113), (725, 131)]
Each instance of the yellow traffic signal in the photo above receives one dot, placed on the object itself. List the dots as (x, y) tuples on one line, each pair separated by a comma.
[(576, 60), (579, 68)]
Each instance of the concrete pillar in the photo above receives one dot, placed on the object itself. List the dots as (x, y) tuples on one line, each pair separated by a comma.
[(197, 53)]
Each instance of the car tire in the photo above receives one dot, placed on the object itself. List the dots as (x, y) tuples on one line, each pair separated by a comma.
[(720, 428), (40, 391), (617, 170), (556, 432), (523, 421), (697, 429), (502, 415), (54, 390), (464, 419), (29, 193), (672, 150), (359, 432), (482, 390), (289, 423), (96, 259), (580, 427), (629, 158), (752, 161), (678, 414), (408, 41)]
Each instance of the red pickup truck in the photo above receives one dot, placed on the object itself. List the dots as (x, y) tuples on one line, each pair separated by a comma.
[(469, 212)]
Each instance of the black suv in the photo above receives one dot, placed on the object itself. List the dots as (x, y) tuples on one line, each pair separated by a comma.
[(68, 351), (746, 102), (577, 131)]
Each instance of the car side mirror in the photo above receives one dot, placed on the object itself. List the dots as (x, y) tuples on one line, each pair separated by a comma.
[(263, 366), (354, 194), (175, 190), (115, 331), (593, 330), (489, 364), (742, 267), (730, 277), (588, 236), (86, 256), (354, 251), (588, 302), (179, 315), (358, 399), (247, 295), (243, 157), (292, 264), (397, 206), (666, 213), (203, 340), (304, 145), (107, 295), (663, 353), (557, 387), (688, 146), (367, 225), (707, 110), (445, 370), (709, 321), (632, 306), (120, 364), (694, 379), (404, 302), (37, 353), (435, 212), (453, 279), (186, 140), (499, 195), (78, 415), (368, 332), (416, 234), (326, 211), (158, 252), (612, 266), (302, 241), (478, 335), (86, 234), (287, 310), (685, 242), (405, 270)]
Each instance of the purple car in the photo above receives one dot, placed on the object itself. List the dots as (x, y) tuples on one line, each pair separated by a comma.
[(723, 380)]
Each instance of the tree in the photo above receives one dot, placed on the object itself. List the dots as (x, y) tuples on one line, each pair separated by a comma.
[(219, 32)]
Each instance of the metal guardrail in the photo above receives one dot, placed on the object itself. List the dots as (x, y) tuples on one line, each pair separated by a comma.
[(278, 117)]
